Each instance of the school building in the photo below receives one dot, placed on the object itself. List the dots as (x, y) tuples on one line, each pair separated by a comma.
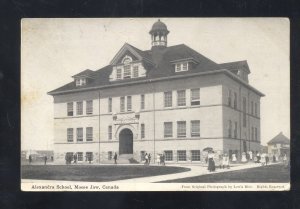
[(169, 99)]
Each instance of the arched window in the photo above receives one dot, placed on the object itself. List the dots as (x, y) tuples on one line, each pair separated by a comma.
[(126, 60)]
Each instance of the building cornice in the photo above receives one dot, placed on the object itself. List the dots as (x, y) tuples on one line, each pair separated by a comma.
[(226, 72)]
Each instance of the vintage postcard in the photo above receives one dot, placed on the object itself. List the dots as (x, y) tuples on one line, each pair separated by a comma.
[(155, 104)]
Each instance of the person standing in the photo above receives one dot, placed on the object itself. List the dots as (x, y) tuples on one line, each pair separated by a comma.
[(234, 158), (274, 159), (90, 159), (163, 159), (225, 161), (211, 163), (75, 158), (158, 159), (45, 159), (284, 159), (263, 159), (115, 158), (146, 159), (30, 159), (250, 155), (267, 159), (149, 158)]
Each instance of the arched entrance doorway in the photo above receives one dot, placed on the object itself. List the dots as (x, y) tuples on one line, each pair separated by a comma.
[(126, 142)]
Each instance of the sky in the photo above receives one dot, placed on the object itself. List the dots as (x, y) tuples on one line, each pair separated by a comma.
[(53, 50)]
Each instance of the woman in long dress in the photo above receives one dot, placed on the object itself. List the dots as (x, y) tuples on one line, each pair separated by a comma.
[(263, 159), (158, 159), (225, 161), (234, 158), (211, 162)]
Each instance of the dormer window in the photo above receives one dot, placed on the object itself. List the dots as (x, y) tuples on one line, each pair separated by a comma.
[(127, 68), (135, 71), (119, 73), (80, 81), (183, 66), (127, 71)]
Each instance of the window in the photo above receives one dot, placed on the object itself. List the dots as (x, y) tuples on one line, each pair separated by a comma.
[(195, 155), (79, 134), (168, 155), (181, 129), (235, 100), (79, 108), (77, 82), (129, 103), (256, 137), (229, 98), (122, 104), (79, 156), (168, 99), (229, 128), (109, 155), (252, 133), (135, 71), (70, 134), (119, 74), (177, 67), (80, 81), (70, 108), (168, 129), (142, 101), (89, 134), (181, 98), (83, 81), (235, 130), (184, 66), (127, 71), (255, 109), (181, 67), (251, 107), (126, 60), (142, 131), (110, 132), (195, 96), (89, 156), (181, 155), (89, 107), (195, 128), (244, 112), (109, 104)]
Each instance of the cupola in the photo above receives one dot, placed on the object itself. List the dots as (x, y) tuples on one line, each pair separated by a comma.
[(159, 33)]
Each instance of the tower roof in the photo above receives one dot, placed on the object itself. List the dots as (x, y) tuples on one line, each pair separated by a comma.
[(159, 27)]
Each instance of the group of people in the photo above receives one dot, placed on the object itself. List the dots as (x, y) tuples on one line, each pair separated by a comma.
[(147, 158), (69, 158), (223, 161), (45, 158), (160, 159), (264, 158)]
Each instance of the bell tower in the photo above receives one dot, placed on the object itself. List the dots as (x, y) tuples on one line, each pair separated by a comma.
[(159, 33)]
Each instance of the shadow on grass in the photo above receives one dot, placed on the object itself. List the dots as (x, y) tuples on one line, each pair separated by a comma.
[(94, 173)]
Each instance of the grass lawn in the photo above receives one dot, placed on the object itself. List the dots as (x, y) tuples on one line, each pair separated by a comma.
[(267, 174), (94, 172)]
